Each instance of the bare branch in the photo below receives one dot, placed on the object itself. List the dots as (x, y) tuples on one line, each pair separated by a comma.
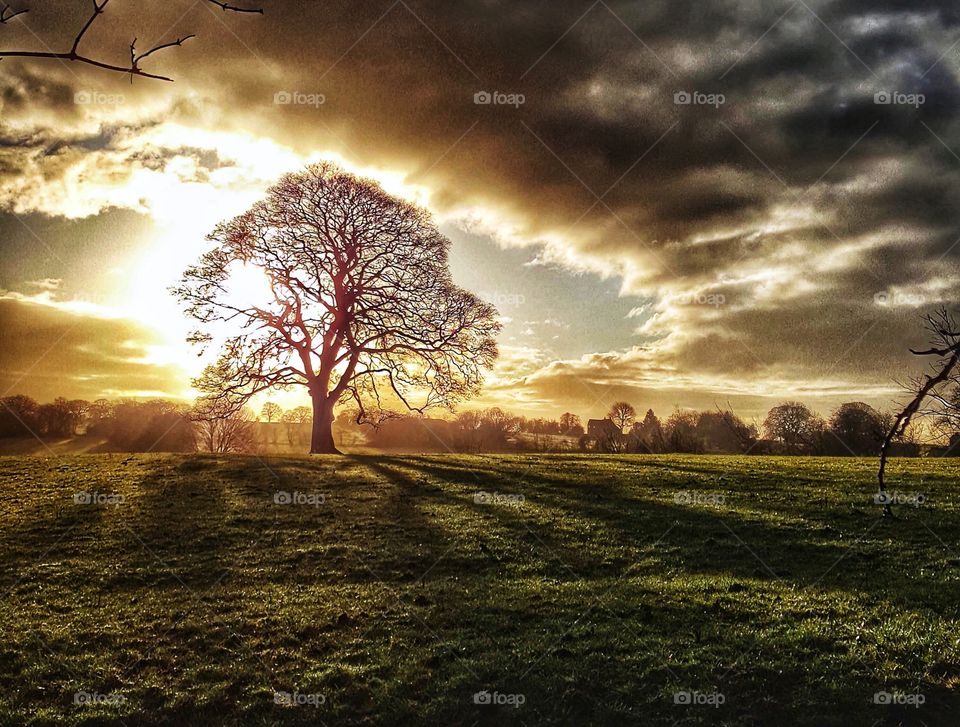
[(97, 10), (135, 59), (6, 13), (931, 352), (235, 9)]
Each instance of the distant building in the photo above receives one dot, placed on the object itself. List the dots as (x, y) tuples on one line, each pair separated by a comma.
[(605, 436), (950, 450), (903, 449), (602, 429)]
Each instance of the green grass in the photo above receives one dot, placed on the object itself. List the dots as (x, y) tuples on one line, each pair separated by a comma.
[(399, 597)]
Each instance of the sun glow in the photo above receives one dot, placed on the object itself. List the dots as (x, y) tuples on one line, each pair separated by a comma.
[(248, 286), (187, 180)]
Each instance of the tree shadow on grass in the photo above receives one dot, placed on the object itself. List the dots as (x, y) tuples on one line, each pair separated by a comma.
[(689, 538), (54, 526), (794, 562)]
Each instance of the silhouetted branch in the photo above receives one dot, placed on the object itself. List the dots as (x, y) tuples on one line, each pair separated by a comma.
[(135, 59), (235, 9), (98, 9), (8, 13), (931, 351)]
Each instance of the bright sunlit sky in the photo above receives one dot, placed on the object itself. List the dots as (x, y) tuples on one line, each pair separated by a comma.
[(780, 244)]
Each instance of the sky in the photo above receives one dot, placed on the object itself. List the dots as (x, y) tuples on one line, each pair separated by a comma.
[(680, 204)]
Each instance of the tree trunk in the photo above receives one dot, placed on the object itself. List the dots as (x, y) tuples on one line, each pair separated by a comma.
[(321, 441)]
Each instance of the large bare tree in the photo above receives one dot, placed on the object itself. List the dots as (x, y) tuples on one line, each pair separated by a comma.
[(361, 305)]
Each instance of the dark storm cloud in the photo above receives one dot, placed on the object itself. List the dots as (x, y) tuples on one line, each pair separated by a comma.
[(799, 183), (27, 91)]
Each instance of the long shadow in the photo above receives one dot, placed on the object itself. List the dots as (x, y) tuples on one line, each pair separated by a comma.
[(706, 540), (654, 626), (177, 528), (730, 555), (414, 535), (51, 525), (401, 533)]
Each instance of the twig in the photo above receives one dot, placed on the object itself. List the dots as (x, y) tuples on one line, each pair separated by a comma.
[(6, 13), (235, 9), (97, 9)]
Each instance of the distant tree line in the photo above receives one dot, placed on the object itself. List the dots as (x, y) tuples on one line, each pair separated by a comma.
[(20, 415), (489, 430), (684, 431), (790, 428), (158, 425), (853, 429), (130, 425)]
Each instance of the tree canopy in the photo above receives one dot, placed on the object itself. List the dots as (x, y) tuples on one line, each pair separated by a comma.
[(360, 302)]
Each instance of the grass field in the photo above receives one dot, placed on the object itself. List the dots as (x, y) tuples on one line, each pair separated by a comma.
[(764, 591)]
